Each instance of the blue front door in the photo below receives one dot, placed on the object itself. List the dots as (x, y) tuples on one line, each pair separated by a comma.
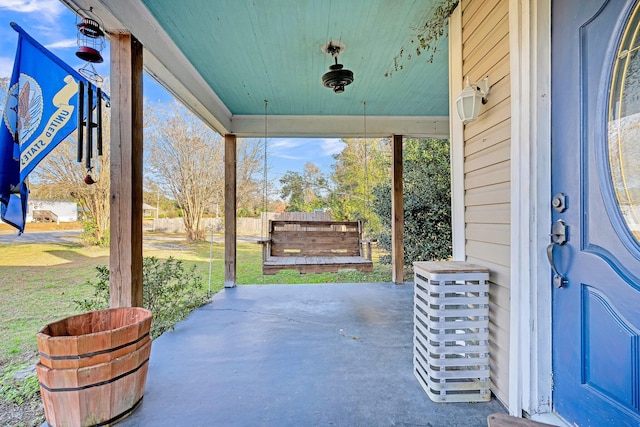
[(595, 102)]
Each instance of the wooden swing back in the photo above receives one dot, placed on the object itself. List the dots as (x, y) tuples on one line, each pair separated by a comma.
[(315, 247)]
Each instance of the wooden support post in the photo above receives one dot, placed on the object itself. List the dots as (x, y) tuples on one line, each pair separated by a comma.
[(397, 213), (125, 265), (229, 211)]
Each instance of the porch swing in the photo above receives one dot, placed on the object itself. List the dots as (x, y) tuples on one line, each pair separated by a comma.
[(312, 246)]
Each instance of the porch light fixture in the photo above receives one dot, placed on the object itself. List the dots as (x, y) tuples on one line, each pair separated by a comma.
[(471, 98), (337, 77)]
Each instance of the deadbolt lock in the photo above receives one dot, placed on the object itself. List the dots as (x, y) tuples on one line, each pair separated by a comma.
[(559, 202)]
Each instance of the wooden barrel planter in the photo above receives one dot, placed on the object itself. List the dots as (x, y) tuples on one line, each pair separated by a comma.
[(93, 366)]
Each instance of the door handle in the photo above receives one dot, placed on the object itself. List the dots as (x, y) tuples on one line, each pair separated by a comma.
[(558, 238)]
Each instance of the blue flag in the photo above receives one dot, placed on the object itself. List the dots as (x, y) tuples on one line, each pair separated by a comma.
[(40, 112)]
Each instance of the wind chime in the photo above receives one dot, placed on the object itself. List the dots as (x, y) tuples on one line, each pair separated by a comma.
[(86, 120), (90, 45)]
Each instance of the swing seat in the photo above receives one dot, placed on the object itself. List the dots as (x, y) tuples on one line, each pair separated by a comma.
[(315, 247)]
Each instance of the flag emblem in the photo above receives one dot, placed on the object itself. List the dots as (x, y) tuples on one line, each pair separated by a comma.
[(23, 109)]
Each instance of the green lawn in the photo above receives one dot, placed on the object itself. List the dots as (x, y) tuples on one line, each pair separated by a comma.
[(39, 284)]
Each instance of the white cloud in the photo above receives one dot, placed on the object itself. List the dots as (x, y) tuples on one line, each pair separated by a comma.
[(301, 148), (287, 156), (62, 44), (283, 143), (285, 148), (332, 146), (50, 8), (6, 66)]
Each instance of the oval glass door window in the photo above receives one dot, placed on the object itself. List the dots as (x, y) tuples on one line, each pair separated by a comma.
[(624, 126)]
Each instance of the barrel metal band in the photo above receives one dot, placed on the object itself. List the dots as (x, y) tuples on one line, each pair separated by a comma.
[(95, 353), (119, 416), (101, 383)]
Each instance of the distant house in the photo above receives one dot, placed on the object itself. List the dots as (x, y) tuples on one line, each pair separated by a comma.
[(148, 210), (52, 211)]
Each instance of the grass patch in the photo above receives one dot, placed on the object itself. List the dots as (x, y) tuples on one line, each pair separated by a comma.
[(249, 266), (19, 384), (39, 284)]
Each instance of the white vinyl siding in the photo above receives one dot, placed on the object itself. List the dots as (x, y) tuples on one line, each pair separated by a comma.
[(487, 170)]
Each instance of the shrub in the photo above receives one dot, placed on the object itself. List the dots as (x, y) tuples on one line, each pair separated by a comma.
[(427, 202), (91, 234), (170, 291)]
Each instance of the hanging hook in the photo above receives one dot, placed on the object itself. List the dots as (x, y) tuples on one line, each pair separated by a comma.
[(366, 167), (265, 168)]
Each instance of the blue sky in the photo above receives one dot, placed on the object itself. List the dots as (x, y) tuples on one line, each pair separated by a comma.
[(54, 26)]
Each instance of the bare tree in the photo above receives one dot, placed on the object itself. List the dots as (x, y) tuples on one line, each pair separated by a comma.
[(59, 175), (187, 159), (250, 174)]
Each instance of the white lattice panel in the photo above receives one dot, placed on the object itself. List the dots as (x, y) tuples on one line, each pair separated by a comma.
[(451, 331)]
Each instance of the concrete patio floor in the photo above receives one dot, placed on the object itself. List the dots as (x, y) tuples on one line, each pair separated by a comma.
[(296, 355)]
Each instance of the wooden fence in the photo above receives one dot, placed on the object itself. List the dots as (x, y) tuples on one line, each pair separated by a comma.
[(244, 226)]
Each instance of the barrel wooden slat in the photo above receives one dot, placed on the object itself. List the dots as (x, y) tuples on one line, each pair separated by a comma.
[(89, 333), (82, 389)]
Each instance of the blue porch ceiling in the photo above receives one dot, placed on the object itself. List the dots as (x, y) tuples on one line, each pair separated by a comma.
[(248, 51), (224, 58)]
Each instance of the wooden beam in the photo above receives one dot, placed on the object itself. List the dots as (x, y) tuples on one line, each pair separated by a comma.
[(125, 265), (397, 212), (229, 211), (252, 126)]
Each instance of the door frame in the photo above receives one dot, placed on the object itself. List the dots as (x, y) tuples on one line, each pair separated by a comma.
[(530, 378), (530, 363)]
